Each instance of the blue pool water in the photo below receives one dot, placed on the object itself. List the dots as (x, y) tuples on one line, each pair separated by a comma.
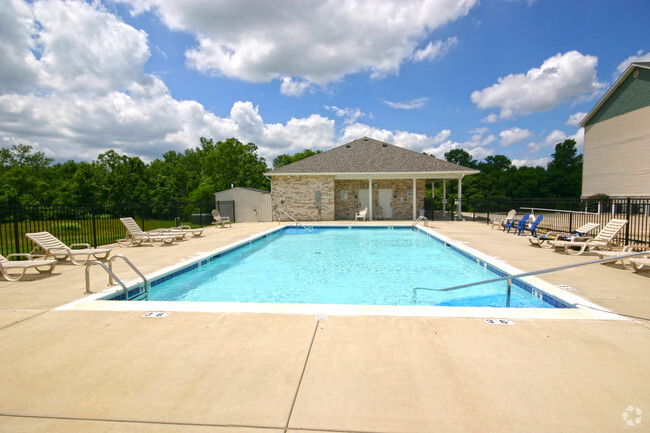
[(343, 266)]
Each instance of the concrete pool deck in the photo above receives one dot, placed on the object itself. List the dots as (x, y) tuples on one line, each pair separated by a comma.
[(104, 371)]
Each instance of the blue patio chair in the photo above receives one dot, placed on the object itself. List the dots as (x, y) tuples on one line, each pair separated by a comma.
[(533, 227), (515, 223)]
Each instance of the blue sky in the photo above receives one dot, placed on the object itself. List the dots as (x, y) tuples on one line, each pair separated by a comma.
[(147, 76)]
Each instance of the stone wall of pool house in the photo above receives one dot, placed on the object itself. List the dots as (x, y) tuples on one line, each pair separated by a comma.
[(297, 196)]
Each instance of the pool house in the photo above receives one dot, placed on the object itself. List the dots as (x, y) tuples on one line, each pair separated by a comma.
[(336, 184)]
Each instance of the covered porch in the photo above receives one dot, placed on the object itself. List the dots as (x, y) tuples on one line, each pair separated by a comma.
[(396, 196)]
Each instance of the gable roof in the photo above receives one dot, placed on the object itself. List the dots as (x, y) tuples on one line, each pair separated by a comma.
[(367, 155), (612, 90)]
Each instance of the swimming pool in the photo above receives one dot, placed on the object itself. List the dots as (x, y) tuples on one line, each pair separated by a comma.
[(345, 266)]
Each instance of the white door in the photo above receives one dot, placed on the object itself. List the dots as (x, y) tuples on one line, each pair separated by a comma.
[(385, 201), (364, 200)]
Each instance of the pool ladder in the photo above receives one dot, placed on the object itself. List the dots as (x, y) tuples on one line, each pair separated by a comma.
[(298, 223), (112, 278), (421, 218)]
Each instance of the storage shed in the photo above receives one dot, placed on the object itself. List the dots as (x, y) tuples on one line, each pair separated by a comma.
[(251, 204)]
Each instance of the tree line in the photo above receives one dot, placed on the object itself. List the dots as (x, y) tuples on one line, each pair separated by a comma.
[(498, 178), (29, 177)]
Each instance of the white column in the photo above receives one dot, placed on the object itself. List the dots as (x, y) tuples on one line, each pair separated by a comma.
[(370, 213), (415, 202), (460, 199), (444, 197)]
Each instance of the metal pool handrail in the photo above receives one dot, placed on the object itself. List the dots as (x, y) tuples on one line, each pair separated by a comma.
[(297, 222), (113, 278), (421, 218), (528, 274)]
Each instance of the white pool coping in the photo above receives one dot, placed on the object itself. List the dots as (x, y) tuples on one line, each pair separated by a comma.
[(585, 310)]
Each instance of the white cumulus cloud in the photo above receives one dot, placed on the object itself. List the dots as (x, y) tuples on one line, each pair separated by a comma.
[(556, 136), (513, 135), (408, 105), (350, 114), (561, 78), (73, 86), (408, 140), (435, 50), (576, 118), (261, 41), (640, 56), (539, 162)]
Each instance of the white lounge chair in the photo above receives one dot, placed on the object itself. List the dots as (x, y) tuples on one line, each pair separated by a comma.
[(603, 240), (135, 236), (221, 220), (361, 214), (501, 222), (640, 263), (48, 246), (545, 239), (180, 232), (187, 229), (379, 212), (23, 265), (627, 249)]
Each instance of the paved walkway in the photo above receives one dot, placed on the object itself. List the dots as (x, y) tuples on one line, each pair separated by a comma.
[(102, 371)]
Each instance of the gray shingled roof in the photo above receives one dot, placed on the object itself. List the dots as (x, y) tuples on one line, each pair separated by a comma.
[(367, 155)]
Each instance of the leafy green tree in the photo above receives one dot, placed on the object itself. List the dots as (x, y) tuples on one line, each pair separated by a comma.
[(284, 159), (121, 179), (461, 157), (231, 162), (24, 175), (495, 163), (564, 172), (22, 155)]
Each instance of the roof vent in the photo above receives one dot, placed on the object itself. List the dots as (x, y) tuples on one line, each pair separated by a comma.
[(365, 139), (384, 145), (347, 145)]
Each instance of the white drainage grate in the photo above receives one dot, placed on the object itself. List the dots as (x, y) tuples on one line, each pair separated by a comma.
[(321, 318), (155, 314), (499, 322), (565, 287)]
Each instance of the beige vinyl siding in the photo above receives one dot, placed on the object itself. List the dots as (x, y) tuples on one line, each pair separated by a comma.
[(246, 201), (617, 156)]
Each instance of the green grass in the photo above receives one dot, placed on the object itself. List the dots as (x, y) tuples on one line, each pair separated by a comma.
[(107, 231)]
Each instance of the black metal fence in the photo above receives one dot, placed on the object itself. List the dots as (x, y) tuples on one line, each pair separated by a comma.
[(437, 209), (98, 223), (569, 214)]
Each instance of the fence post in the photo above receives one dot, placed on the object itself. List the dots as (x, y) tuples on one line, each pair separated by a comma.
[(570, 222), (92, 210), (627, 217), (16, 235), (488, 212), (142, 216), (473, 210)]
